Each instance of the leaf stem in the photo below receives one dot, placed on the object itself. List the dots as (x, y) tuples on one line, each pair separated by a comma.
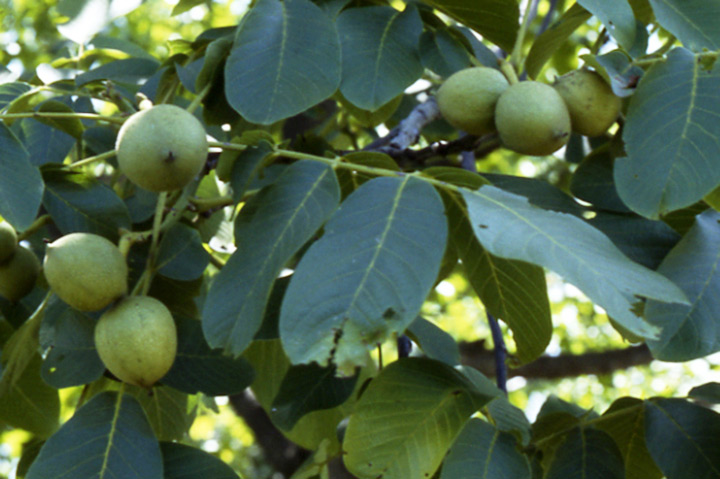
[(157, 223), (91, 159), (62, 115), (516, 56), (36, 225), (198, 99)]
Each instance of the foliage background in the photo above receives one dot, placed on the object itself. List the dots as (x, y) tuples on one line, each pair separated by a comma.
[(33, 45)]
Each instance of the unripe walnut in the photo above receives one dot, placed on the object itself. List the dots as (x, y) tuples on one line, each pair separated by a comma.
[(162, 148), (8, 241), (18, 274), (467, 99), (136, 339), (532, 119), (591, 102), (86, 271)]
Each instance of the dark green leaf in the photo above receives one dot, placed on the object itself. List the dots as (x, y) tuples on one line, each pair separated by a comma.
[(197, 368), (361, 282), (73, 359), (78, 202), (443, 53), (350, 180), (539, 192), (246, 167), (692, 21), (379, 54), (482, 447), (131, 70), (71, 126), (186, 462), (617, 17), (625, 422), (592, 181), (496, 20), (588, 454), (670, 134), (9, 92), (31, 404), (642, 240), (682, 438), (624, 75), (107, 437), (167, 411), (690, 331), (550, 40), (567, 245), (435, 343), (270, 229), (21, 186), (306, 388), (709, 392), (181, 254), (407, 418), (509, 418), (44, 143), (286, 58)]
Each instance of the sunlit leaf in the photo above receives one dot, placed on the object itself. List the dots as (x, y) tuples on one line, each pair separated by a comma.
[(286, 58), (510, 227), (107, 437), (670, 134), (362, 280), (692, 21), (617, 17), (407, 418)]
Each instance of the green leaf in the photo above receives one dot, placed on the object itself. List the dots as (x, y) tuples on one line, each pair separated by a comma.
[(31, 404), (270, 229), (362, 280), (692, 21), (670, 134), (181, 254), (185, 5), (509, 227), (78, 202), (71, 126), (306, 388), (167, 411), (690, 331), (407, 418), (588, 454), (513, 291), (44, 143), (617, 17), (197, 368), (350, 180), (642, 240), (131, 70), (107, 437), (443, 53), (21, 186), (509, 418), (624, 75), (496, 20), (9, 92), (379, 53), (709, 392), (435, 343), (625, 422), (550, 40), (481, 450), (73, 359), (286, 58), (246, 167), (682, 438), (592, 182), (186, 462)]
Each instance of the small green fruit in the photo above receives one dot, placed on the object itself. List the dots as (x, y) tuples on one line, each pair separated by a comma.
[(18, 274), (162, 148), (532, 119), (591, 102), (467, 99), (8, 241), (137, 340), (86, 271)]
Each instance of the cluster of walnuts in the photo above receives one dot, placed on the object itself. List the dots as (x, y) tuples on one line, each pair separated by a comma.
[(531, 118)]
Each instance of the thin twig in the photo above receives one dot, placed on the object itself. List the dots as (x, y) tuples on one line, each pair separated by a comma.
[(500, 352)]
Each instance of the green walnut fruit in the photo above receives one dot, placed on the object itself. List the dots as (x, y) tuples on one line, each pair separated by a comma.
[(18, 274), (8, 241), (591, 102), (136, 339), (532, 119), (86, 271), (162, 148), (467, 99)]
